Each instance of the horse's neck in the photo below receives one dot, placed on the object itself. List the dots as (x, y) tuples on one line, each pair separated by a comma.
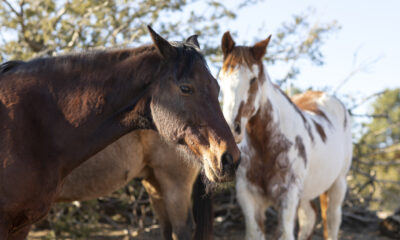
[(129, 79), (125, 108), (267, 141), (278, 110)]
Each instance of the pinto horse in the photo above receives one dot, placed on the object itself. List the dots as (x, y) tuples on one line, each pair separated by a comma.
[(293, 150), (56, 112), (167, 175)]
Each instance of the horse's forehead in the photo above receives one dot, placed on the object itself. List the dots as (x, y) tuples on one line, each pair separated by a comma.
[(241, 73), (236, 87), (201, 74), (239, 56)]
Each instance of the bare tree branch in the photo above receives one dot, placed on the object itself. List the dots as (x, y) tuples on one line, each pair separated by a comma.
[(369, 115), (363, 67), (12, 8), (366, 99), (377, 163)]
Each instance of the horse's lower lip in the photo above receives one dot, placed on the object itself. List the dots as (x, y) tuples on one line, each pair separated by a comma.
[(225, 178)]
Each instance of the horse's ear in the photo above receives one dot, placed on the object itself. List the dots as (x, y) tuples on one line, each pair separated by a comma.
[(164, 47), (193, 40), (259, 49), (227, 44)]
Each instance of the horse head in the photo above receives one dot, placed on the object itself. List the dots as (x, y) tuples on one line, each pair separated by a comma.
[(242, 77), (185, 108)]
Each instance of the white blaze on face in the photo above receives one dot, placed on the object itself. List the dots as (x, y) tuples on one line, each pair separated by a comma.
[(235, 86)]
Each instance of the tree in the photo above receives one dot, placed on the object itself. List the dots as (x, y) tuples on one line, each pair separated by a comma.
[(48, 27), (376, 164)]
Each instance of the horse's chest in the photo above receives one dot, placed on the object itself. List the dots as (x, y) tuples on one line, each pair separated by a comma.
[(268, 167)]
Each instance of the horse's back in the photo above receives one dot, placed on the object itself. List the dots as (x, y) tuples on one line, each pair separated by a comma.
[(323, 105), (329, 153), (328, 115), (106, 171), (135, 155)]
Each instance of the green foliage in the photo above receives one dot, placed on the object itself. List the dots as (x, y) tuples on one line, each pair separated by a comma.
[(34, 28), (48, 27), (377, 154)]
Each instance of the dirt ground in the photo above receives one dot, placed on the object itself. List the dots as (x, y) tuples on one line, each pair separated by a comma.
[(230, 231)]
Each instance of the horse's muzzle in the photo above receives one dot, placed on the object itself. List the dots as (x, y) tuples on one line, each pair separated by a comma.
[(228, 167)]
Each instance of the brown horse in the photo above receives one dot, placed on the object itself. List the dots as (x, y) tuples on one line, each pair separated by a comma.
[(56, 112), (168, 177)]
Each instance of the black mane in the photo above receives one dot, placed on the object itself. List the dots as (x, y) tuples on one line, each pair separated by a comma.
[(10, 65), (188, 55), (92, 60)]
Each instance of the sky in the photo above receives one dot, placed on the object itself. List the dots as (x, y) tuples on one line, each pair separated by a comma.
[(368, 28)]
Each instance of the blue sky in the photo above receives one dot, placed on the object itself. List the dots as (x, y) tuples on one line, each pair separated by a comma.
[(369, 28)]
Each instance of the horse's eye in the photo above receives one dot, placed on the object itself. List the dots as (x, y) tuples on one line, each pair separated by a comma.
[(253, 80), (186, 89)]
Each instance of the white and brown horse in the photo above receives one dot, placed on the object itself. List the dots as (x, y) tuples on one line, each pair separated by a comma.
[(293, 150), (168, 176)]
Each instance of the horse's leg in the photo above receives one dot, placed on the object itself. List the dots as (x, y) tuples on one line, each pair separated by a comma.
[(253, 213), (3, 230), (336, 194), (176, 192), (203, 212), (307, 216), (287, 214), (156, 199), (3, 233), (21, 234), (323, 199), (178, 205)]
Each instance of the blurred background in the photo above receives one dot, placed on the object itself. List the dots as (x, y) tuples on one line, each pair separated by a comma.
[(347, 48)]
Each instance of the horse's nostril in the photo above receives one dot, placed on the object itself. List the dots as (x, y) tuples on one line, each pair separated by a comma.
[(237, 128), (181, 141), (226, 160)]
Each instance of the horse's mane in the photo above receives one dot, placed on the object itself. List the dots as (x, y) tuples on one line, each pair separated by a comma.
[(75, 61), (101, 59), (7, 66), (187, 56)]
